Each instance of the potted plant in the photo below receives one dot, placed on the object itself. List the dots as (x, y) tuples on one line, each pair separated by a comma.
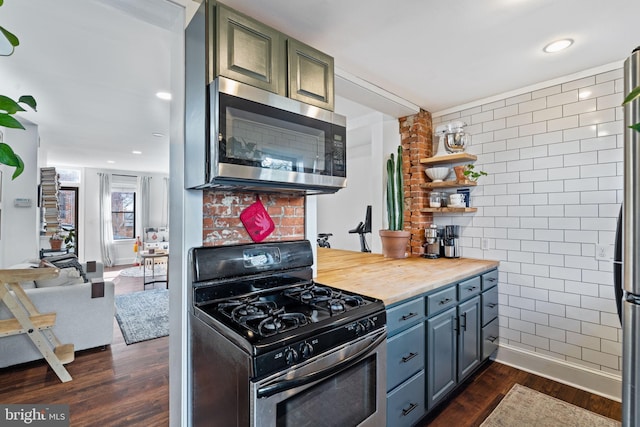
[(9, 107), (395, 238), (55, 241)]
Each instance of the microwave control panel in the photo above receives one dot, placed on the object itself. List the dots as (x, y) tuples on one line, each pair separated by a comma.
[(339, 160)]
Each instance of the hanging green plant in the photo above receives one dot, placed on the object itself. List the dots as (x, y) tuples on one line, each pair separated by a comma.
[(9, 107)]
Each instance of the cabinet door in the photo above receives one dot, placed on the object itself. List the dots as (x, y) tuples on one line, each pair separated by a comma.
[(249, 51), (310, 75), (441, 356), (405, 355), (469, 339)]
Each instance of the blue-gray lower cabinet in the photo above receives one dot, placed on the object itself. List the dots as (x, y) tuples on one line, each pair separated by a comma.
[(405, 355), (405, 404), (442, 348), (469, 337), (437, 340)]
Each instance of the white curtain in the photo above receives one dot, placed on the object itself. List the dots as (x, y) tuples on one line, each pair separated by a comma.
[(106, 226), (145, 200), (165, 203)]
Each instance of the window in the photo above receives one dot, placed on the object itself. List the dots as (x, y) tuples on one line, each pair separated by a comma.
[(123, 207), (68, 214)]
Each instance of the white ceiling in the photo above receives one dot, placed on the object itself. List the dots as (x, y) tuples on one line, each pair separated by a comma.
[(95, 70)]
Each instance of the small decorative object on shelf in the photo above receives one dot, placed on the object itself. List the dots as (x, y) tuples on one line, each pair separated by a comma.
[(471, 174), (55, 241)]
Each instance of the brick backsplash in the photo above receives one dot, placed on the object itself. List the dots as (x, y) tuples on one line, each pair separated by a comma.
[(221, 217), (554, 158)]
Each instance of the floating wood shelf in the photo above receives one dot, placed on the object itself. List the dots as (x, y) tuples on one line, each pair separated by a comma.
[(448, 210), (449, 158), (448, 184)]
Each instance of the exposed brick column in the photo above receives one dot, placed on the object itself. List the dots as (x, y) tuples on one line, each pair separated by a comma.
[(416, 136)]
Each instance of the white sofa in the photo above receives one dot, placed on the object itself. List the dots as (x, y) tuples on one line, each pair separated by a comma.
[(81, 320)]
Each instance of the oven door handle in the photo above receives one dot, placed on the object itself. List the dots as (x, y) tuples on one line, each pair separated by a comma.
[(354, 359)]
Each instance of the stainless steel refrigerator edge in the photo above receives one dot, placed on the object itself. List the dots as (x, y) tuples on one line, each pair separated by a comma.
[(631, 249)]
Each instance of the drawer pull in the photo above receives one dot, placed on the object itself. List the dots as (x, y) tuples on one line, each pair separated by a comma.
[(492, 339), (472, 288), (408, 316), (411, 355), (491, 305), (491, 279), (411, 407), (445, 301)]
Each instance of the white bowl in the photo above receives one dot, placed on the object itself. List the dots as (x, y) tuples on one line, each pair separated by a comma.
[(437, 174)]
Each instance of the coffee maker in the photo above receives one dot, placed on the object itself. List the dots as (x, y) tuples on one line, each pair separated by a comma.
[(451, 241), (432, 237)]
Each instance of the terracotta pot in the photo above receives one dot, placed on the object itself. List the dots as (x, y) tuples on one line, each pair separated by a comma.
[(55, 244), (459, 170), (394, 243)]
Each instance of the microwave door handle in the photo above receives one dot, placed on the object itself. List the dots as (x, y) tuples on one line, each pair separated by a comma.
[(354, 359)]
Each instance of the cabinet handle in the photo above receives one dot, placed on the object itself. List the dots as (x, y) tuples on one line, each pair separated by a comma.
[(472, 288), (445, 301), (411, 407), (492, 339), (464, 327), (408, 316), (491, 279), (411, 355), (491, 305)]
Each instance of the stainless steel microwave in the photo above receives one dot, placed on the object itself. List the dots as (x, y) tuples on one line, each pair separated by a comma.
[(260, 141)]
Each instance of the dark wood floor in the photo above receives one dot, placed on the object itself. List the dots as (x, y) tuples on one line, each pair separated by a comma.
[(129, 386)]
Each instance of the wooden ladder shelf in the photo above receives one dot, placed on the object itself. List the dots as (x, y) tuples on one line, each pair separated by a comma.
[(27, 319)]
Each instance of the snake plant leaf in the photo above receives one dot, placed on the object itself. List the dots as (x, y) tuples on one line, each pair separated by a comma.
[(632, 95), (9, 105), (9, 158), (29, 100), (635, 127), (11, 38), (8, 121)]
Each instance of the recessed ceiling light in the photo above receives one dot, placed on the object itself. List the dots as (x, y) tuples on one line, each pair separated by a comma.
[(558, 45), (110, 161), (136, 152), (158, 134), (164, 95)]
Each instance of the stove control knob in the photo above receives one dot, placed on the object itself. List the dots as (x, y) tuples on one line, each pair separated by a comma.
[(306, 350), (360, 328), (290, 356), (369, 325)]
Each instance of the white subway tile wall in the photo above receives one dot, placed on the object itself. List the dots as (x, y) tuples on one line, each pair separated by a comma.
[(554, 158)]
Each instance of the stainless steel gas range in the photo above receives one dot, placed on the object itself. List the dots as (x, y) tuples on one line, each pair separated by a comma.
[(272, 348)]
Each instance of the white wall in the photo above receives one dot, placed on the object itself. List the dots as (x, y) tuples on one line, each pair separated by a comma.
[(554, 191), (369, 142), (89, 204), (19, 226)]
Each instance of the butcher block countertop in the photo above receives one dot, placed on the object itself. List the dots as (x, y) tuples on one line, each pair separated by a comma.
[(393, 280)]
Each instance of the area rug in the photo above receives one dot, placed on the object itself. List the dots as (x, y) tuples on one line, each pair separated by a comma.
[(525, 407), (160, 270), (143, 315)]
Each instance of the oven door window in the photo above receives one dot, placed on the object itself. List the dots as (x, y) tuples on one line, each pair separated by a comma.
[(261, 136), (346, 399)]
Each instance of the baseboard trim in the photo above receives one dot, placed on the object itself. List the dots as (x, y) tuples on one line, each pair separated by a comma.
[(596, 382)]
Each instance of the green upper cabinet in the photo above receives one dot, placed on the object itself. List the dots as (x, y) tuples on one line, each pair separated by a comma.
[(310, 75), (249, 51)]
